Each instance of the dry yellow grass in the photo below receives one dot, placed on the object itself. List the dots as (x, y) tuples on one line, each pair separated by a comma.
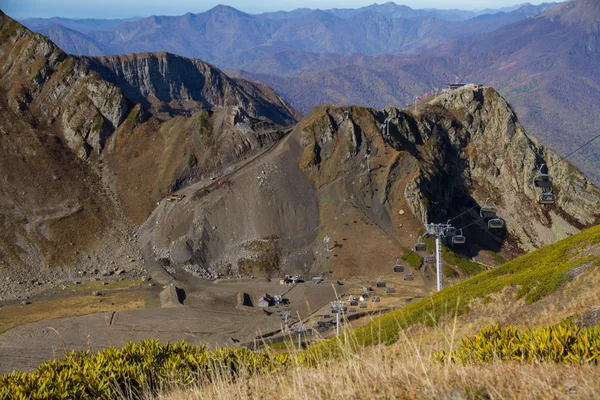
[(13, 316), (406, 371)]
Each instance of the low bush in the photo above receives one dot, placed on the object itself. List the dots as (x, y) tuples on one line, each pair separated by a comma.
[(563, 343), (412, 258), (134, 370)]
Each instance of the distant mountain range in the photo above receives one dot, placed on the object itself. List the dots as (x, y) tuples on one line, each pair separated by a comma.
[(546, 66), (541, 57), (229, 38), (80, 25)]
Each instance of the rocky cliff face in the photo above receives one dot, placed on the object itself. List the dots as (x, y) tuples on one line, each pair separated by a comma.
[(53, 91), (53, 211), (167, 83), (462, 149)]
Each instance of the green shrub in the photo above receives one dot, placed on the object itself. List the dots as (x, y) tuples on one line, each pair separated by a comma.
[(467, 266), (563, 343), (135, 369)]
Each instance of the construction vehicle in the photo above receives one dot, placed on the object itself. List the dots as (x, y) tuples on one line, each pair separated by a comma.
[(174, 197)]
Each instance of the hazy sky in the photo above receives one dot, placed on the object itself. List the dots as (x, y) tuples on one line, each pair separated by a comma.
[(130, 8)]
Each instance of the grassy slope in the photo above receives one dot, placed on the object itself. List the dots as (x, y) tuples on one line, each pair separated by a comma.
[(407, 368), (537, 274)]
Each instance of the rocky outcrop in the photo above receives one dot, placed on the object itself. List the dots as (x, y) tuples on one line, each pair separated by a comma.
[(463, 149), (167, 83), (53, 91)]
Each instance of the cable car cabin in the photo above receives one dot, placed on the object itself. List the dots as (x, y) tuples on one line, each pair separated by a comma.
[(398, 268), (542, 181), (495, 223), (409, 276), (380, 284), (459, 239), (430, 259), (547, 198), (487, 211)]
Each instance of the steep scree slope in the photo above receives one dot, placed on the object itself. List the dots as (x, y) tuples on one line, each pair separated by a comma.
[(372, 190)]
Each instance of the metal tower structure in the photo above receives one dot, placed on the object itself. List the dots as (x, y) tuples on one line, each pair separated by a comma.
[(440, 231), (300, 329)]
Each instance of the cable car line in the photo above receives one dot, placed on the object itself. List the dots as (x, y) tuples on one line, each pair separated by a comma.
[(562, 158)]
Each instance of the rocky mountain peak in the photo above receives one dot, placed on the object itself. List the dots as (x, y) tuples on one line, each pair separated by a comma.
[(459, 150), (168, 84)]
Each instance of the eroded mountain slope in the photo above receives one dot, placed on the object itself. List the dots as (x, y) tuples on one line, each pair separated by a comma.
[(376, 177), (83, 164)]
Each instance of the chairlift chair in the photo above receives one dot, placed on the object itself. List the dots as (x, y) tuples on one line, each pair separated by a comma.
[(430, 259), (547, 198), (450, 231), (496, 223), (398, 267), (409, 276), (542, 179), (420, 245), (487, 211), (459, 239)]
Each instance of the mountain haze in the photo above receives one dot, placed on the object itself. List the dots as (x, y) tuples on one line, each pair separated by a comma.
[(544, 65), (222, 32)]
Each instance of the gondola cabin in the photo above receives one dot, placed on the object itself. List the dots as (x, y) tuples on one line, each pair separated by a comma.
[(542, 179), (420, 245), (450, 231)]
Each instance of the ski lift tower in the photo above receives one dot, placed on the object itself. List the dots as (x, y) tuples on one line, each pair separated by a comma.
[(326, 242), (440, 231), (286, 316), (299, 330)]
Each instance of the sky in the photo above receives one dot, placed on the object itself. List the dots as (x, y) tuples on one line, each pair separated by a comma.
[(129, 8)]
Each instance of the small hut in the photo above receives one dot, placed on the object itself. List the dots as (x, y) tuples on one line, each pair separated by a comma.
[(265, 301)]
